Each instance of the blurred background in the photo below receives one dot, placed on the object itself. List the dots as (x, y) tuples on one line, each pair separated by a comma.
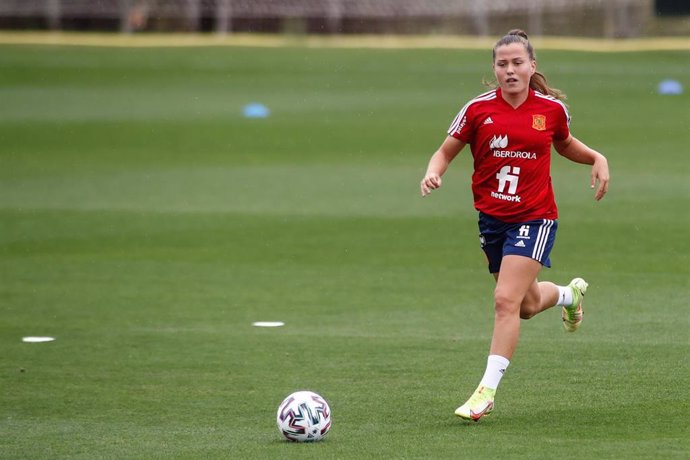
[(588, 18)]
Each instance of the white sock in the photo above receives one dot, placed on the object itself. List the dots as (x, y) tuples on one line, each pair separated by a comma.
[(565, 296), (495, 368)]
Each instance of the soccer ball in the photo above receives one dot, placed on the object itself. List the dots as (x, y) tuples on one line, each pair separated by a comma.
[(304, 416)]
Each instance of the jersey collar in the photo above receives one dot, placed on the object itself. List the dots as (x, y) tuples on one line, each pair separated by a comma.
[(499, 95)]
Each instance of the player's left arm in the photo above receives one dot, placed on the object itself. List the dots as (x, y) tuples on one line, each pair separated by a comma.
[(575, 150)]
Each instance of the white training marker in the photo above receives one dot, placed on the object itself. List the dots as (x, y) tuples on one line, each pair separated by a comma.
[(37, 339), (268, 324)]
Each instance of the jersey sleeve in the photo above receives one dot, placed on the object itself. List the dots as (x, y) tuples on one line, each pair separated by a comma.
[(461, 127), (562, 130)]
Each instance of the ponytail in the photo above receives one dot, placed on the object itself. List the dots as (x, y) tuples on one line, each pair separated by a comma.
[(538, 83)]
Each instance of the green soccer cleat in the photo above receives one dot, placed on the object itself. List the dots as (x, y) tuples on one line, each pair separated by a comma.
[(481, 403), (572, 315)]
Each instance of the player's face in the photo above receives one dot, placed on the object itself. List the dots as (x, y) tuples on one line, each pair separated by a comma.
[(513, 68)]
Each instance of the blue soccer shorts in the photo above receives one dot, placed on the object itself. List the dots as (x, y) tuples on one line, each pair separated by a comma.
[(533, 239)]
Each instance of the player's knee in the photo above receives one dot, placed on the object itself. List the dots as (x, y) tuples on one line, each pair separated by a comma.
[(505, 304)]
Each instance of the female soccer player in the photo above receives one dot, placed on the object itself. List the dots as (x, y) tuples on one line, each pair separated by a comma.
[(510, 131)]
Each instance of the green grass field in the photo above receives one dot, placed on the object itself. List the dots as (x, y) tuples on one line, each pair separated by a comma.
[(145, 223)]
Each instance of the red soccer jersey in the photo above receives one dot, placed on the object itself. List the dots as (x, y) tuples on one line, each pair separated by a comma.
[(512, 153)]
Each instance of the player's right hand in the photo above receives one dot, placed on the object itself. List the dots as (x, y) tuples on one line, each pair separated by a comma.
[(431, 181)]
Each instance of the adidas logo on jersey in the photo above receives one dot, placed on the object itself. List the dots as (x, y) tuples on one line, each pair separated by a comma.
[(520, 244), (499, 142), (488, 121)]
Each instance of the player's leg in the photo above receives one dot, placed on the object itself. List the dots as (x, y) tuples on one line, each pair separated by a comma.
[(535, 239), (517, 275), (540, 296), (544, 295)]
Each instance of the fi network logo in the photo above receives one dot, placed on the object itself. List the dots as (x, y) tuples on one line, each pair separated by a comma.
[(499, 142)]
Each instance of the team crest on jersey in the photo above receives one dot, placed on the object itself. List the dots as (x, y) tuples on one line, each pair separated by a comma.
[(539, 122)]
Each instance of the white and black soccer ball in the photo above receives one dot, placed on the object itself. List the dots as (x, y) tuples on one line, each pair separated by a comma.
[(304, 416)]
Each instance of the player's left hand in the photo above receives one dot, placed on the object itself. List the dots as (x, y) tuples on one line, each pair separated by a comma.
[(600, 176)]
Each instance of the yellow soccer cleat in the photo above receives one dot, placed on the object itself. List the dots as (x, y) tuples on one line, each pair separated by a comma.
[(480, 404), (572, 315)]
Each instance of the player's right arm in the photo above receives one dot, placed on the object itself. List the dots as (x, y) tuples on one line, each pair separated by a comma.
[(438, 164)]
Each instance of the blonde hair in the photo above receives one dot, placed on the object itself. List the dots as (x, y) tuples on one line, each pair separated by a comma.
[(538, 80)]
